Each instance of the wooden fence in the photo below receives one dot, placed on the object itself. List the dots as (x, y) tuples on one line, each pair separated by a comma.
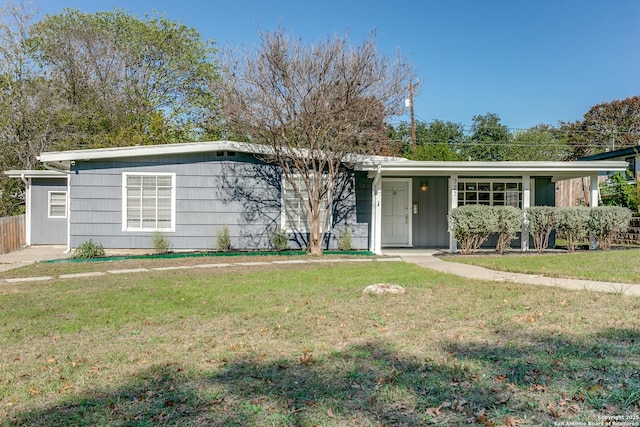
[(12, 233)]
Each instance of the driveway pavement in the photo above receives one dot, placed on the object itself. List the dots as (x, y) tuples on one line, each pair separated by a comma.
[(423, 258), (32, 254)]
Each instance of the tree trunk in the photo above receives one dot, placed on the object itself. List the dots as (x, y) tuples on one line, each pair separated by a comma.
[(315, 237)]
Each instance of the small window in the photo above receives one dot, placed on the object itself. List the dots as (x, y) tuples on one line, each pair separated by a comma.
[(148, 202), (57, 204)]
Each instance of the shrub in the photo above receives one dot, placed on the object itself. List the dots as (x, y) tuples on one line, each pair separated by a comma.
[(471, 225), (605, 222), (508, 226), (89, 250), (573, 224), (618, 191), (344, 240), (160, 242), (541, 223), (279, 240), (223, 242)]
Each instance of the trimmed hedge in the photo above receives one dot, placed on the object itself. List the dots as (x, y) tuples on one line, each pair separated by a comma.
[(471, 225)]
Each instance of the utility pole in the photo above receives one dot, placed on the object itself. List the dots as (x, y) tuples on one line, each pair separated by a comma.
[(413, 121)]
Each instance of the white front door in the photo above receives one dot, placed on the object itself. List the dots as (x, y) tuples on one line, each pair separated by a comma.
[(396, 215)]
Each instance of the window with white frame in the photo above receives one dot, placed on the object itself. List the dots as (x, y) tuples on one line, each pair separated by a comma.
[(490, 192), (294, 212), (57, 204), (148, 202)]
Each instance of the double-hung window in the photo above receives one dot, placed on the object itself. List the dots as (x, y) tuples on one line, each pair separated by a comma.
[(294, 212), (148, 201), (57, 204)]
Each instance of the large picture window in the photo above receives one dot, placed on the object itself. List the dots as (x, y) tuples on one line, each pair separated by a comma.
[(57, 204), (294, 213), (148, 202), (491, 193)]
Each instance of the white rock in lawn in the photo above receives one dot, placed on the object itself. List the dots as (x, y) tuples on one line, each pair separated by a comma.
[(384, 288)]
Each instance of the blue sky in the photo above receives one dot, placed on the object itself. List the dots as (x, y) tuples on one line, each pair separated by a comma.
[(529, 62)]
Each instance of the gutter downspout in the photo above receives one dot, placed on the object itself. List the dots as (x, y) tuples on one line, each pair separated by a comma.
[(68, 172), (27, 213)]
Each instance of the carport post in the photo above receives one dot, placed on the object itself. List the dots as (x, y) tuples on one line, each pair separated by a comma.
[(594, 195)]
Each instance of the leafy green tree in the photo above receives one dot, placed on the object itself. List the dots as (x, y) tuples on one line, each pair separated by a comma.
[(125, 80), (436, 140), (618, 191), (489, 139), (606, 126), (542, 143)]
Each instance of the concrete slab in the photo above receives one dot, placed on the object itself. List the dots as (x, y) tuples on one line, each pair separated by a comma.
[(74, 275), (29, 279), (31, 254), (128, 270)]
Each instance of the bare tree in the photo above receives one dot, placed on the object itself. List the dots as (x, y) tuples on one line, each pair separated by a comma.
[(313, 105)]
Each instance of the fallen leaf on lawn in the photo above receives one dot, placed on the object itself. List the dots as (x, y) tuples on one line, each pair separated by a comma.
[(509, 421), (434, 412), (34, 391), (330, 413)]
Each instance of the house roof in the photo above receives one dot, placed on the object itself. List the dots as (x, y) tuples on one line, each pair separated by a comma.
[(624, 152), (558, 170), (389, 166), (61, 160)]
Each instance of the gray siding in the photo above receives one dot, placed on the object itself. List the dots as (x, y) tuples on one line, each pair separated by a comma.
[(45, 230), (241, 192), (430, 223)]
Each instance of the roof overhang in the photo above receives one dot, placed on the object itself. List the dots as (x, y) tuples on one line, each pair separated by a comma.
[(63, 160), (34, 174), (557, 170)]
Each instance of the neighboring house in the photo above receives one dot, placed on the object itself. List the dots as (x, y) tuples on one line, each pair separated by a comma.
[(576, 191), (121, 196)]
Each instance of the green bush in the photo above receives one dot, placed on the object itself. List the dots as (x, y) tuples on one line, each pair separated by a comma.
[(605, 222), (160, 242), (344, 240), (508, 226), (618, 191), (223, 242), (89, 250), (573, 224), (279, 240), (471, 225), (541, 222)]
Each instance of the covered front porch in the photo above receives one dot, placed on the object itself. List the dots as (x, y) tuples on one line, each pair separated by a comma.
[(411, 199)]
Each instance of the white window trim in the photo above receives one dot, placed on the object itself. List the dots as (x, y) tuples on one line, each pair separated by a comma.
[(124, 201), (491, 181), (283, 209), (66, 203)]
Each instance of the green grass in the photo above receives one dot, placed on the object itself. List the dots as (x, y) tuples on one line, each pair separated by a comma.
[(619, 266), (300, 345)]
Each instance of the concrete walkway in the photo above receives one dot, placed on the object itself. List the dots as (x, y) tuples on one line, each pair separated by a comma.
[(423, 258), (426, 258)]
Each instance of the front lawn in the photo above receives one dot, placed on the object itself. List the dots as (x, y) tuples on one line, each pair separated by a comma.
[(300, 345), (619, 266)]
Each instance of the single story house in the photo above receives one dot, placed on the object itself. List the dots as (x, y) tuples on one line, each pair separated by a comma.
[(120, 196)]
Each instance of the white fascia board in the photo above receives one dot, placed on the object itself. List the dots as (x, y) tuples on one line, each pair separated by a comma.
[(64, 157), (558, 169), (34, 174), (61, 160)]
